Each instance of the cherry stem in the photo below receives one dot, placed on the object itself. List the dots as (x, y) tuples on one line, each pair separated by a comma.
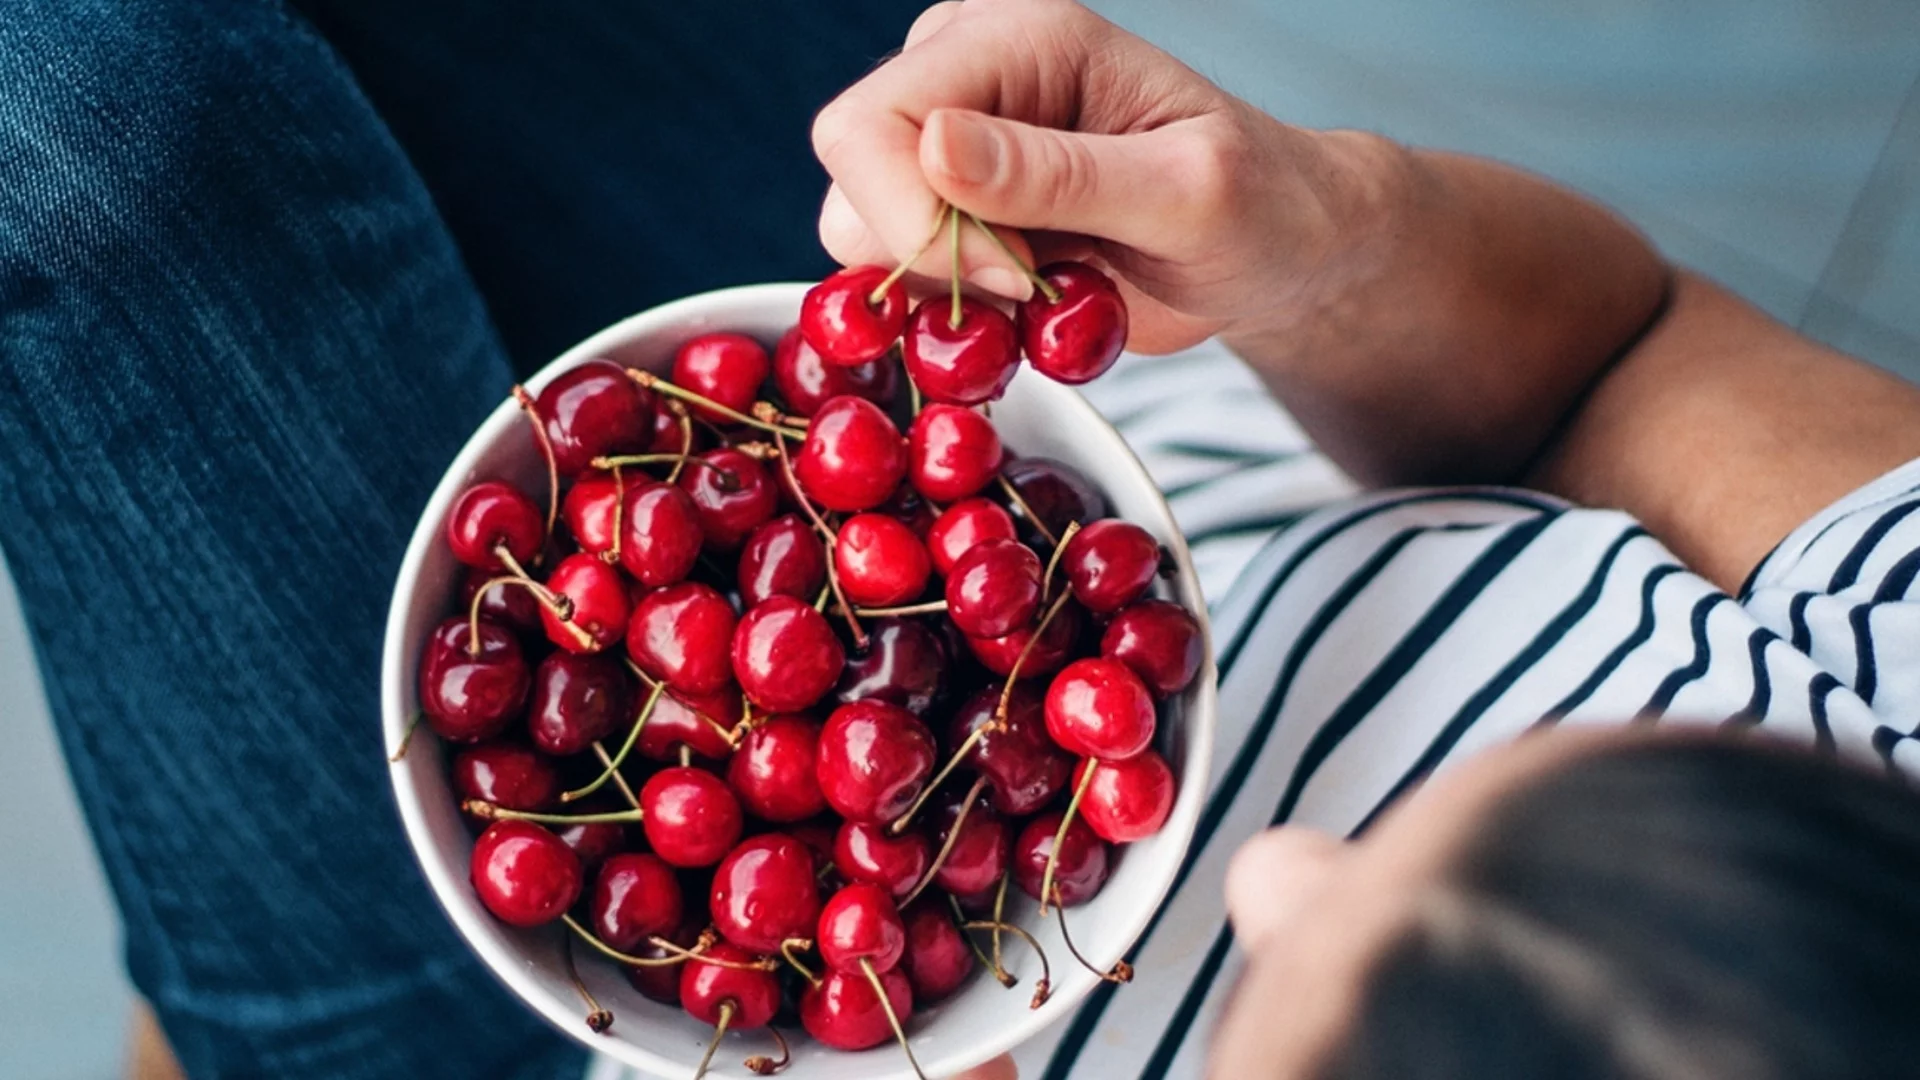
[(886, 1006), (1020, 503), (1060, 835), (726, 479), (1020, 661), (619, 781), (913, 393), (560, 607), (826, 534), (719, 729), (487, 811), (793, 945), (820, 602), (680, 413), (473, 609), (1000, 912), (719, 1032), (993, 967), (546, 451), (613, 767), (1053, 561), (1121, 972), (599, 1020), (879, 292), (947, 842), (406, 739), (1044, 988), (762, 1065), (931, 607), (953, 259), (654, 382), (675, 954), (959, 754), (612, 554), (1046, 287), (765, 410), (686, 756)]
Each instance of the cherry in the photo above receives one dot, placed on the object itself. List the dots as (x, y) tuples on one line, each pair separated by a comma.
[(937, 958), (839, 320), (505, 774), (682, 634), (661, 982), (706, 989), (489, 516), (670, 438), (1077, 337), (1055, 491), (880, 561), (873, 854), (1099, 708), (593, 841), (904, 664), (772, 770), (1024, 770), (965, 364), (634, 898), (765, 894), (594, 410), (699, 722), (874, 759), (806, 380), (598, 604), (1126, 800), (860, 923), (733, 494), (1055, 647), (978, 854), (691, 817), (1110, 563), (853, 456), (724, 368), (1160, 641), (1082, 867), (952, 452), (467, 696), (844, 1011), (909, 508), (783, 557), (994, 589), (524, 874), (660, 533), (785, 655), (964, 526), (508, 605), (576, 701), (590, 508)]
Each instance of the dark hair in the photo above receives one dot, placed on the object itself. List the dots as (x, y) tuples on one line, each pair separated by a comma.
[(1698, 909)]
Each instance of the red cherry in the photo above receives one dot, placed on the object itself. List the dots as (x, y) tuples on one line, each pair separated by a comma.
[(753, 993), (588, 509), (593, 841), (963, 365), (469, 696), (964, 526), (1076, 338), (978, 855), (783, 557), (594, 410), (853, 457), (492, 515), (1024, 769), (994, 589), (873, 854), (837, 319), (952, 452), (1055, 491), (1081, 870), (660, 533), (669, 438), (1099, 708), (937, 959), (873, 761), (905, 664), (734, 497), (661, 982), (772, 771), (508, 605), (699, 722), (577, 700), (1055, 647), (507, 775), (881, 563), (1126, 800), (1160, 641), (860, 923), (785, 655), (844, 1012), (724, 368), (806, 380), (634, 898), (690, 816), (524, 874), (682, 634), (1110, 563), (765, 893), (599, 604)]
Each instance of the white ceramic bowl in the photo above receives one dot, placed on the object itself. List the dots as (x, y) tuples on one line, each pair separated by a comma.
[(1037, 417)]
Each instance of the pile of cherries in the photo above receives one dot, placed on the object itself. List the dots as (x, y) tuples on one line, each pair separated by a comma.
[(771, 703)]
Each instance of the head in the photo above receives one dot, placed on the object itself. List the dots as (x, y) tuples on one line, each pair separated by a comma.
[(1582, 908)]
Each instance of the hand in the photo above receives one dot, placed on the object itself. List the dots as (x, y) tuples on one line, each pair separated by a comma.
[(1039, 115), (1000, 1068)]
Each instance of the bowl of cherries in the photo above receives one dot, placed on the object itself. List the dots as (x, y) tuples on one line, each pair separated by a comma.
[(792, 679)]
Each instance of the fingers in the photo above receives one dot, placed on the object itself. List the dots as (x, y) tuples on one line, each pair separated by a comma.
[(1272, 876), (1000, 1068), (930, 21)]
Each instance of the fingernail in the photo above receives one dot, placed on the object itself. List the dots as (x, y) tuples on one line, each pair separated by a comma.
[(969, 148), (1001, 281)]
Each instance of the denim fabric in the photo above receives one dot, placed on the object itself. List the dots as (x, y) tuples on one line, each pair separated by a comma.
[(249, 290)]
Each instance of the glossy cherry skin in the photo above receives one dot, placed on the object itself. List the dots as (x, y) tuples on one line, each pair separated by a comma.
[(905, 664), (465, 696), (772, 770), (593, 841), (634, 897), (661, 982), (962, 365), (937, 959), (724, 368), (590, 508), (765, 893), (1126, 800), (1076, 338), (508, 605), (505, 774), (700, 722), (806, 380), (979, 854), (1024, 769), (844, 1012), (872, 854), (491, 515), (994, 589), (880, 561), (873, 761), (853, 457), (705, 988), (599, 602), (1056, 646), (1056, 491), (523, 874), (1099, 708), (594, 410), (964, 526), (683, 634), (785, 655), (783, 557), (1110, 563), (838, 320), (660, 534), (1160, 641), (734, 497), (1082, 868), (577, 700), (952, 452), (691, 817), (860, 923)]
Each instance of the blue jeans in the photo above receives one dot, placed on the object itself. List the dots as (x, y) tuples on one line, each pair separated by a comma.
[(261, 271)]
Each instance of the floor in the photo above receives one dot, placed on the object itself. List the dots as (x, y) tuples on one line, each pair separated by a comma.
[(1772, 144)]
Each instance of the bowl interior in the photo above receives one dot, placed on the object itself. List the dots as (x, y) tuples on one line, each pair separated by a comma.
[(1037, 417)]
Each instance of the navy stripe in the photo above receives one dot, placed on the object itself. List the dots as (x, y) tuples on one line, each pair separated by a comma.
[(1884, 740), (1244, 465), (1866, 678), (1802, 639), (1175, 1033), (1641, 632), (1756, 710), (1702, 658), (1228, 530), (1818, 690), (1899, 579), (1849, 569), (1189, 448)]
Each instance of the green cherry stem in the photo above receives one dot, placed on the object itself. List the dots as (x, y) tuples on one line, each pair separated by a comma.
[(487, 811), (1044, 988), (1046, 287), (947, 842), (619, 781), (725, 478), (886, 1005), (1060, 836), (719, 1032), (1121, 972), (1000, 974), (953, 249), (798, 945), (613, 767), (655, 383), (879, 292), (1053, 561), (406, 739), (1020, 503), (546, 451), (1020, 661), (1000, 912), (599, 1020)]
